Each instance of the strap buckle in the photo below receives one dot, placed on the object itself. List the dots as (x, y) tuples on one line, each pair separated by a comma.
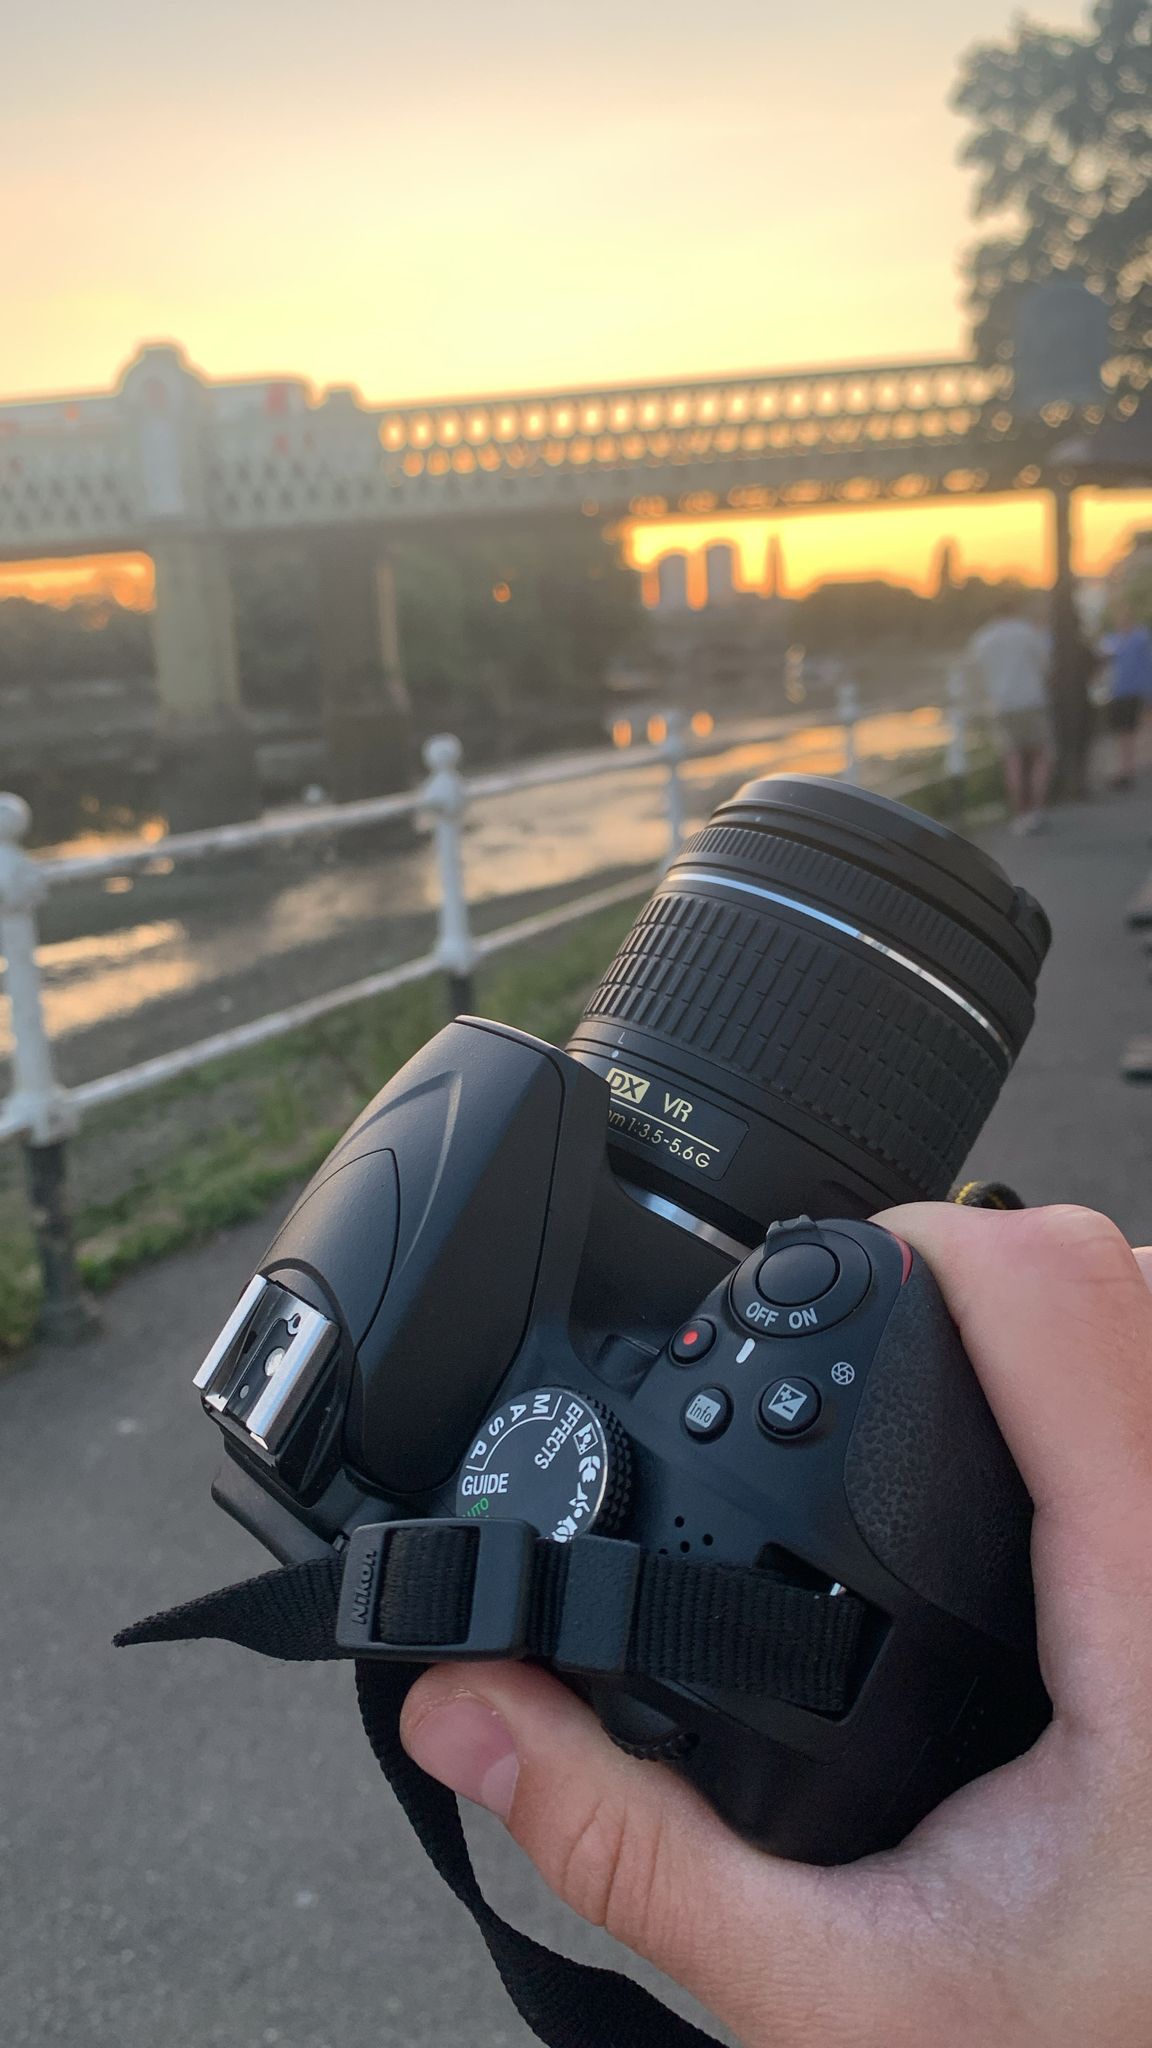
[(500, 1601)]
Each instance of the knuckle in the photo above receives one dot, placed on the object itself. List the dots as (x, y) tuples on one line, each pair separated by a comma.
[(607, 1870), (1084, 1246)]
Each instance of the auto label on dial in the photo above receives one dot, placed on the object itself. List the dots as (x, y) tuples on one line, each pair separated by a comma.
[(547, 1458)]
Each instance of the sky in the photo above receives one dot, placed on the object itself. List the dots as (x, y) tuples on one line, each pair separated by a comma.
[(448, 199)]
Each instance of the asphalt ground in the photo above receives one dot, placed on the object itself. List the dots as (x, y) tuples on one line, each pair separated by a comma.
[(195, 1846)]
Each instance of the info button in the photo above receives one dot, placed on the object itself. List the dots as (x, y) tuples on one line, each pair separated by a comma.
[(707, 1414)]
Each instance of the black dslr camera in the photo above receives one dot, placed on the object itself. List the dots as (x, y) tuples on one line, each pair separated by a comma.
[(552, 1354)]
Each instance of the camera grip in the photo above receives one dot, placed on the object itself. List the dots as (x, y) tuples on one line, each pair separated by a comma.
[(930, 1482)]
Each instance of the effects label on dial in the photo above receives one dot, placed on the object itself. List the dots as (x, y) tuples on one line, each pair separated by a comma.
[(542, 1458)]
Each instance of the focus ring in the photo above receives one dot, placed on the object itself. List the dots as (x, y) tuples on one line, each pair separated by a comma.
[(811, 1021), (881, 907)]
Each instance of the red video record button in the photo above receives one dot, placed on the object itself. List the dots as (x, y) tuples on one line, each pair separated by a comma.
[(693, 1340)]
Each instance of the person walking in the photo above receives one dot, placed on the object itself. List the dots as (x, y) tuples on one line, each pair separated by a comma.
[(1129, 649), (1011, 659)]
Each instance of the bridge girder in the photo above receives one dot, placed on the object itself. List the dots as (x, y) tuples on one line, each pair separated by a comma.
[(175, 466), (170, 451)]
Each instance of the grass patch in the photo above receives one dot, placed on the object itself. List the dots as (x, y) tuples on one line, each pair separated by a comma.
[(983, 785), (175, 1165)]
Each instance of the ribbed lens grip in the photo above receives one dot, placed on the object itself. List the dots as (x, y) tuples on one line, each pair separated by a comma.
[(816, 1011), (811, 1020), (880, 907)]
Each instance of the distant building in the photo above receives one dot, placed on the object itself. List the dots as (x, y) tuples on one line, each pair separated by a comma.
[(720, 573), (944, 577), (774, 575), (672, 583)]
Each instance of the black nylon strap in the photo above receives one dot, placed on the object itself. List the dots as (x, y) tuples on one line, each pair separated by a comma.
[(429, 1576), (566, 2004), (721, 1626), (285, 1613), (715, 1625), (741, 1631), (728, 1627), (290, 1614)]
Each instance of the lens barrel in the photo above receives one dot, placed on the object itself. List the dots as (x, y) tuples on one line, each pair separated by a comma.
[(816, 1009)]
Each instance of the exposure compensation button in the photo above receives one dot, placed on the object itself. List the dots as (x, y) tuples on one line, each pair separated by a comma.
[(789, 1407)]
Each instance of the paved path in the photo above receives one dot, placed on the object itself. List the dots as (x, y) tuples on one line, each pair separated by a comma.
[(195, 1848), (1067, 1127)]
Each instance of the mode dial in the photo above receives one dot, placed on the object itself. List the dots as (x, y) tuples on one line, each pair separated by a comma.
[(553, 1459)]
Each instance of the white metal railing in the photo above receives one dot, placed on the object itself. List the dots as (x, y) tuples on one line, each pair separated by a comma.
[(43, 1113)]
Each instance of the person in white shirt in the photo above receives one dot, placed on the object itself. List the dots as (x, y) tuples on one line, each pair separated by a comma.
[(1011, 658)]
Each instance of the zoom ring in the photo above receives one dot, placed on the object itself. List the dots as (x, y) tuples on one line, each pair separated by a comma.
[(811, 1020), (881, 907)]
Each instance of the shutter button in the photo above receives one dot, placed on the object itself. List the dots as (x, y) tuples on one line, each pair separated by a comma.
[(797, 1274)]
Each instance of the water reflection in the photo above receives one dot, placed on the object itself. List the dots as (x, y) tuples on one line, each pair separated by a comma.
[(531, 840)]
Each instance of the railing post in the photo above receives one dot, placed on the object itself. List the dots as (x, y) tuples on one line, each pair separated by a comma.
[(956, 753), (675, 754), (446, 796), (848, 709), (41, 1105)]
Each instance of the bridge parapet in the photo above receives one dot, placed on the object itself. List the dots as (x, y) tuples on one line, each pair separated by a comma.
[(169, 449), (686, 421), (67, 479), (182, 468)]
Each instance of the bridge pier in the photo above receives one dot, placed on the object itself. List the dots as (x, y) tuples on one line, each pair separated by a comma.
[(207, 770), (366, 709)]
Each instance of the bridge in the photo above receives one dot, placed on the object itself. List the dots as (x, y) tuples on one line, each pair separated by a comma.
[(183, 469)]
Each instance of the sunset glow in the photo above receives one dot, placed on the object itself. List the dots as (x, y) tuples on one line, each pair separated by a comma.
[(426, 201), (126, 579), (994, 537), (553, 200)]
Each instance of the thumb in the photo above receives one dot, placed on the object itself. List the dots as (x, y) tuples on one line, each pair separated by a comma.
[(629, 1846)]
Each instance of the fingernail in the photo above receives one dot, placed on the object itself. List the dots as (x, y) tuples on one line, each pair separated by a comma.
[(466, 1745)]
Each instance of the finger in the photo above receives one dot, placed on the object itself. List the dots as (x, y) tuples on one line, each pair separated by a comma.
[(1143, 1258), (1056, 1317), (1055, 1312), (630, 1846)]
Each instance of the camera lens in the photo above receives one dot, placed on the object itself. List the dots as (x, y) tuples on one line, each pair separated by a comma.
[(816, 1009)]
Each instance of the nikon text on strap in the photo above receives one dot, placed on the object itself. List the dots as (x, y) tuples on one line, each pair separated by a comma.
[(404, 1594)]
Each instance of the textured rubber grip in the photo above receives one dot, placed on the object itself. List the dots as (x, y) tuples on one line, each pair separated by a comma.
[(931, 1484)]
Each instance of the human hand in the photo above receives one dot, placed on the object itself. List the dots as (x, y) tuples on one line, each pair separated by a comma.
[(1019, 1914)]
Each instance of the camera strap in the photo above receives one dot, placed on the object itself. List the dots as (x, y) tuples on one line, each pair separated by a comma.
[(407, 1594)]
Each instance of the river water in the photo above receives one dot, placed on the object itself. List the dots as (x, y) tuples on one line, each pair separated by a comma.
[(135, 965)]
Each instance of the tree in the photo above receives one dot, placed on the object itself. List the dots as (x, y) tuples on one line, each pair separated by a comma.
[(511, 627), (1062, 148), (90, 637)]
